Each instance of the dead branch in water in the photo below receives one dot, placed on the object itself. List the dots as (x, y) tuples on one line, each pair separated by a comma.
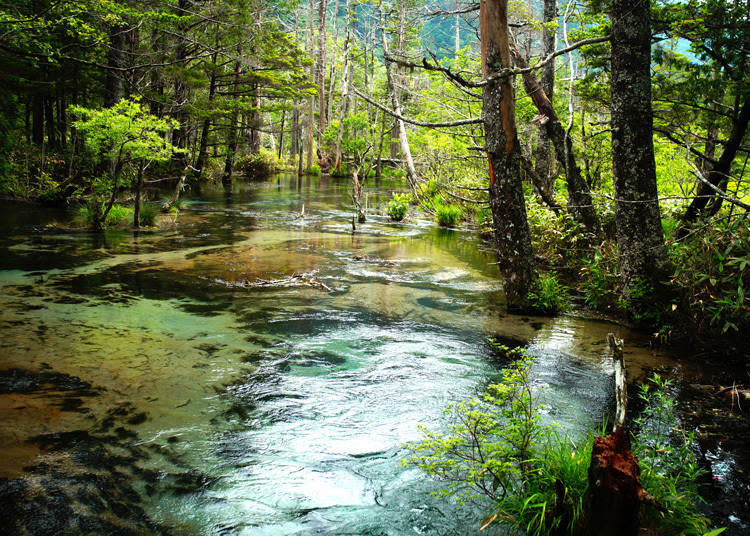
[(295, 280)]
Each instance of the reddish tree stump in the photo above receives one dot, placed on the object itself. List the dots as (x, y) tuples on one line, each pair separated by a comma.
[(615, 493)]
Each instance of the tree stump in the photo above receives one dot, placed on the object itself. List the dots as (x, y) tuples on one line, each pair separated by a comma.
[(615, 494)]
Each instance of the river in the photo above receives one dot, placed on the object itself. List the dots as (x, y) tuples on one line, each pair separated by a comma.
[(254, 367)]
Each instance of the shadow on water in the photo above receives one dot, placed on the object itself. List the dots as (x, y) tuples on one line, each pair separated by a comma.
[(253, 368)]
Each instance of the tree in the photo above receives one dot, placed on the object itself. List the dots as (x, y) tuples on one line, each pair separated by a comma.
[(504, 157), (640, 243), (126, 135)]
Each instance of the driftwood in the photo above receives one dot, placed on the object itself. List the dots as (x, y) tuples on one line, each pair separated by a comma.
[(295, 280), (615, 493)]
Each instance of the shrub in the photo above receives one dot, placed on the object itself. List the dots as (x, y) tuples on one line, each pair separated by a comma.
[(712, 270), (600, 279), (149, 213), (117, 215), (548, 295), (498, 447), (259, 165), (398, 206), (447, 215), (669, 466)]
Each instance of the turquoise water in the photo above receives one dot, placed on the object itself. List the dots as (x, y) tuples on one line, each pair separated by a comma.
[(258, 372)]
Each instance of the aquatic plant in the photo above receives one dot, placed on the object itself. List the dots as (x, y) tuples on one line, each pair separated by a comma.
[(398, 206), (447, 215)]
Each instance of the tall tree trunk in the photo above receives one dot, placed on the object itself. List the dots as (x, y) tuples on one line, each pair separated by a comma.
[(310, 116), (115, 64), (543, 157), (180, 89), (49, 121), (37, 119), (640, 243), (344, 105), (138, 194), (321, 70), (580, 205), (411, 172), (331, 75), (719, 174), (256, 121), (281, 134), (504, 156), (203, 148), (294, 133), (226, 178)]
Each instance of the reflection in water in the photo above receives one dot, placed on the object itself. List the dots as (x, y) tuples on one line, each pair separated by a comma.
[(220, 406)]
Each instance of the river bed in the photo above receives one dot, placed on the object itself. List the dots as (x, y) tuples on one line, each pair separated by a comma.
[(254, 367)]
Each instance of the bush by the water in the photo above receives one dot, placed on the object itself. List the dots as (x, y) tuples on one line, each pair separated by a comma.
[(117, 216), (498, 446), (398, 206), (548, 295), (447, 215), (258, 165)]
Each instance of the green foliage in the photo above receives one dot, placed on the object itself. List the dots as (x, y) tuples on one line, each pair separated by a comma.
[(712, 271), (548, 295), (149, 213), (669, 466), (447, 215), (600, 279), (125, 132), (117, 216), (497, 446), (256, 166), (644, 306), (398, 206)]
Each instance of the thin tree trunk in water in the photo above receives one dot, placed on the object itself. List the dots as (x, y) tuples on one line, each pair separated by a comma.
[(226, 178), (580, 205), (281, 134), (331, 76), (310, 119), (504, 156), (202, 150), (344, 105), (138, 193), (411, 173), (294, 134), (640, 243), (321, 70), (543, 156), (256, 122)]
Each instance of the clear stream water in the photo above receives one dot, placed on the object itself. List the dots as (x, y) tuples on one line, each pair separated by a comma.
[(161, 383)]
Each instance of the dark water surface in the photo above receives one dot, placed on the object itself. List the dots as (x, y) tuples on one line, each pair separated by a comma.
[(201, 379)]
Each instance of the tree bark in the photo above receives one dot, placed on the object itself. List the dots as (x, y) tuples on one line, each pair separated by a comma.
[(411, 172), (138, 194), (115, 62), (580, 205), (309, 118), (504, 156), (203, 149), (321, 70), (543, 156), (718, 176), (344, 104), (226, 178), (640, 243)]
